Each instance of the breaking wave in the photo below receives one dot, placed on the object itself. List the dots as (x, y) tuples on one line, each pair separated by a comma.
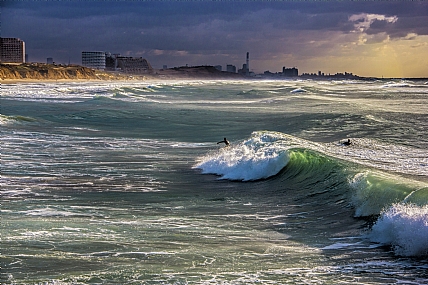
[(257, 158), (404, 227), (399, 203)]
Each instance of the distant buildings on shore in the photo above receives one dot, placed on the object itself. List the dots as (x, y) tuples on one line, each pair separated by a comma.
[(231, 68), (245, 70), (13, 51), (320, 74), (286, 72), (115, 62)]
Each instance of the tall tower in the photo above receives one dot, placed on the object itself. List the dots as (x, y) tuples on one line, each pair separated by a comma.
[(248, 64)]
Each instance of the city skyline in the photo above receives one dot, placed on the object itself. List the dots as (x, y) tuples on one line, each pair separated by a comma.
[(371, 39)]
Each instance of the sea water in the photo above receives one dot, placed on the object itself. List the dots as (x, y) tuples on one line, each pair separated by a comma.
[(124, 182)]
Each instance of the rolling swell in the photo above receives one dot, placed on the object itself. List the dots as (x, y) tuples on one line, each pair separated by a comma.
[(316, 178), (15, 119), (373, 191)]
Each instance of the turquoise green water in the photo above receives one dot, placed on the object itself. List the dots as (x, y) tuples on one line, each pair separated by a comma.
[(123, 183)]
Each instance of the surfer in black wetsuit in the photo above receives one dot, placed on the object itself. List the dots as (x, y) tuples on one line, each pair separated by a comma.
[(347, 143), (225, 141)]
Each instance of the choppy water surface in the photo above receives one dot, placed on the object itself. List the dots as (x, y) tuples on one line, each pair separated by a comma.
[(123, 182)]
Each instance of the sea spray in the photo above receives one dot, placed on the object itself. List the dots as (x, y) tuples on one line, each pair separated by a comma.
[(405, 228), (402, 206), (254, 159)]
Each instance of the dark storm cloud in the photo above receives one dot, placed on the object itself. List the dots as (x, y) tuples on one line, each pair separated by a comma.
[(400, 28), (168, 30)]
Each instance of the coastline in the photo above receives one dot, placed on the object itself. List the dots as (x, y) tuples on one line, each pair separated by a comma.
[(50, 73)]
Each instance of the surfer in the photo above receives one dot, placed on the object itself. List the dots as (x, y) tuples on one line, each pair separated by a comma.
[(225, 141), (347, 143)]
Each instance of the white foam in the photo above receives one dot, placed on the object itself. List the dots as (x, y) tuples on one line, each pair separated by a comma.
[(298, 90), (341, 245), (381, 155), (405, 228), (189, 145), (48, 212), (257, 158), (395, 85)]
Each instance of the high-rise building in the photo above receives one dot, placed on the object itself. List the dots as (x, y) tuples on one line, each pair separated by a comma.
[(231, 68), (49, 60), (290, 72), (94, 59), (244, 70), (111, 61), (134, 65), (245, 67), (12, 50)]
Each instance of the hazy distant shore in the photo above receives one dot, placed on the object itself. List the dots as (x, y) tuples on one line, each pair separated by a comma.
[(39, 72)]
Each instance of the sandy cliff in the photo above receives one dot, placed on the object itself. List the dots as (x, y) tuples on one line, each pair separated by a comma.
[(39, 71)]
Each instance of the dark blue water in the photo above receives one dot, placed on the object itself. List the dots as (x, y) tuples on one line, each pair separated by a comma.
[(123, 183)]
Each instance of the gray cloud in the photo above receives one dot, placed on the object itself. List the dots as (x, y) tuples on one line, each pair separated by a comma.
[(198, 32), (401, 28)]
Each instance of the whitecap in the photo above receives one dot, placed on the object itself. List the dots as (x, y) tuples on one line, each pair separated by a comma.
[(395, 85), (48, 212), (254, 159), (405, 228), (298, 90), (340, 245)]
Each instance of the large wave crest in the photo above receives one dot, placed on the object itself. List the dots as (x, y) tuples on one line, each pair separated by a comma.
[(259, 157)]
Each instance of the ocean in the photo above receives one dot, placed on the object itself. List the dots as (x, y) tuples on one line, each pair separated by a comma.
[(124, 182)]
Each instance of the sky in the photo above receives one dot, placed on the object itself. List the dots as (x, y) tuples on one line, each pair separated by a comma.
[(366, 38)]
